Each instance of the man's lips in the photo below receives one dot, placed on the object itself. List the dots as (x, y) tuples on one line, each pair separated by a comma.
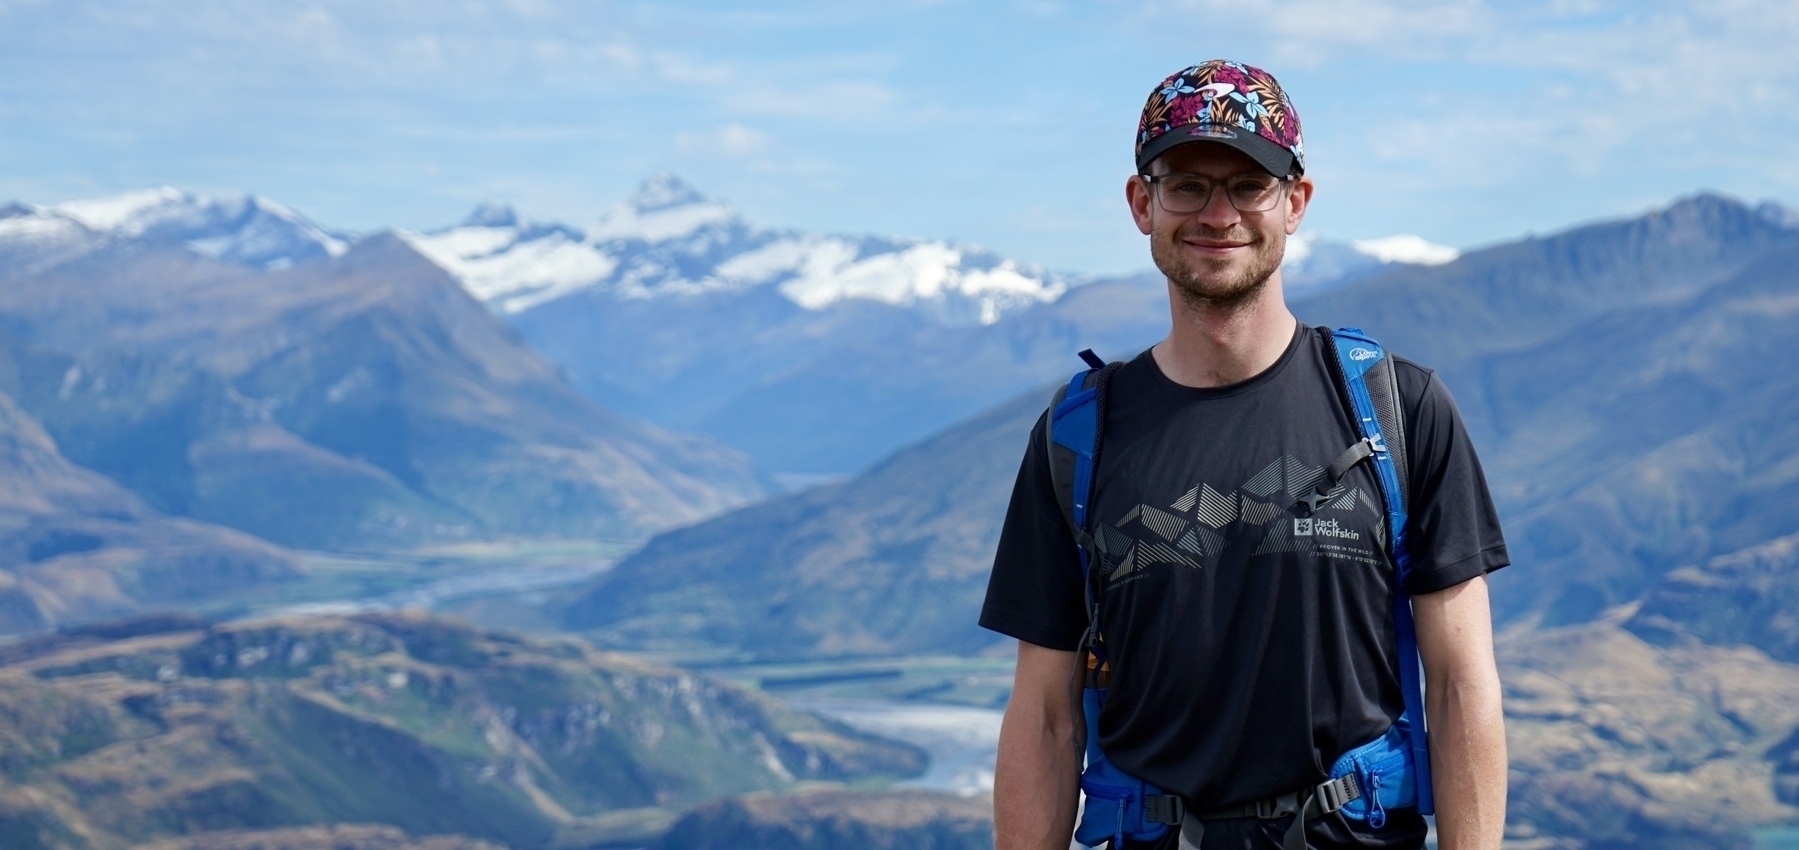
[(1216, 246)]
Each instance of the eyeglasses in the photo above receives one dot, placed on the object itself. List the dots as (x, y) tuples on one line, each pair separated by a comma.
[(1190, 193)]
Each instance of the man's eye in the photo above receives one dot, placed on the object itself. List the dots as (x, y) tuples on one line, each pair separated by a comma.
[(1251, 187), (1188, 187)]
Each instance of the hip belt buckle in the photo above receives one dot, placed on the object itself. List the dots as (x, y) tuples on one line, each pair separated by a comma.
[(1274, 807), (1166, 808)]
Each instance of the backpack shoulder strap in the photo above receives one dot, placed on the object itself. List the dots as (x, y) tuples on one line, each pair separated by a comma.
[(1075, 418), (1371, 384)]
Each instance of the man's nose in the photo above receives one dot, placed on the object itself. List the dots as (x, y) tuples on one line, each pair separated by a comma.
[(1219, 212)]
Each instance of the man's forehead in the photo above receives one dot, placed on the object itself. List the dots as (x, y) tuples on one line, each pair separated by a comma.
[(1204, 157)]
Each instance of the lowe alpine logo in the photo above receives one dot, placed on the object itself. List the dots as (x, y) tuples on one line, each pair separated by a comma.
[(1312, 527), (1209, 131), (1363, 354)]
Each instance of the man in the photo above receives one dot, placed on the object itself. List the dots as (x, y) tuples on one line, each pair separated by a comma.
[(1244, 661)]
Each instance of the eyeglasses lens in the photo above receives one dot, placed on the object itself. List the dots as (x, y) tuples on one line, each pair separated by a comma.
[(1189, 193)]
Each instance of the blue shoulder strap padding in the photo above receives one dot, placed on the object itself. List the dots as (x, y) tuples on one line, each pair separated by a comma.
[(1356, 356), (1074, 425), (1118, 806)]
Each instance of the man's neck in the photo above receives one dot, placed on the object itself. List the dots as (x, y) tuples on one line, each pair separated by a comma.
[(1215, 346)]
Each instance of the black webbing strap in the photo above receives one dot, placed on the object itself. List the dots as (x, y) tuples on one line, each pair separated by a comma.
[(1327, 488), (1318, 800)]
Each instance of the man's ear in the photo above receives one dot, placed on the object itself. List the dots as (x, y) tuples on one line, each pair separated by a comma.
[(1136, 193), (1298, 198)]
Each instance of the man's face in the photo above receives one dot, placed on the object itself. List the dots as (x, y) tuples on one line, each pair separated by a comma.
[(1218, 256)]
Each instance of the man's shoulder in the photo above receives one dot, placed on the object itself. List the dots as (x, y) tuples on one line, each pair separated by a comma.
[(1415, 379)]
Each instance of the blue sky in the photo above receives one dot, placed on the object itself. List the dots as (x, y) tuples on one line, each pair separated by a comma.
[(1006, 124)]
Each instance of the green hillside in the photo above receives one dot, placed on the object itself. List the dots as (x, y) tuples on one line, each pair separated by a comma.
[(410, 721)]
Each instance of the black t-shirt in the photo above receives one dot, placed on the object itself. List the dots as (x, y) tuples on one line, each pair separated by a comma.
[(1250, 644)]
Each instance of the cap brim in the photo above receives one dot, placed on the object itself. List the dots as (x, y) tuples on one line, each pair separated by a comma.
[(1273, 158)]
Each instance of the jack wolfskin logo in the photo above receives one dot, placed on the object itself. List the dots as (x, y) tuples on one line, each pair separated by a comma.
[(1325, 528), (1363, 354), (1302, 527)]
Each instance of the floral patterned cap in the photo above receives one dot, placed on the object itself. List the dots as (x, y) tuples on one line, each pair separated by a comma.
[(1226, 102)]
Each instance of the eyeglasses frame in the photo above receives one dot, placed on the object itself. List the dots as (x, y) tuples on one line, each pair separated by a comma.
[(1153, 181)]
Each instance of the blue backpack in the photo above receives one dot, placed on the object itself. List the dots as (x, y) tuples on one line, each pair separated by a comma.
[(1392, 771)]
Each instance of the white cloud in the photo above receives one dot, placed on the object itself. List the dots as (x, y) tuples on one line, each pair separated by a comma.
[(1479, 95)]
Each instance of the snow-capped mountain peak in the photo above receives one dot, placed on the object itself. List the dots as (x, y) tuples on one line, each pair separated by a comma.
[(512, 264), (1313, 264), (667, 240), (491, 215), (1406, 248), (663, 191), (1769, 210), (236, 228), (664, 207)]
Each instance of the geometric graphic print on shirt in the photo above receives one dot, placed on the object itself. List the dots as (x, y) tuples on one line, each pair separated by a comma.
[(1192, 530)]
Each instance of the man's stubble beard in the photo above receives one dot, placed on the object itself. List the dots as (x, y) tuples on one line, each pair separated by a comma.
[(1203, 289)]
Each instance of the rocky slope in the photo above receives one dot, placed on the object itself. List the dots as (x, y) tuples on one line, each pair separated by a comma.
[(354, 396), (341, 837), (1749, 598), (897, 820), (165, 731), (1617, 743)]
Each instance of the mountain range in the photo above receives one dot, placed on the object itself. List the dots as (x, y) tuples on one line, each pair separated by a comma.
[(228, 362), (799, 349)]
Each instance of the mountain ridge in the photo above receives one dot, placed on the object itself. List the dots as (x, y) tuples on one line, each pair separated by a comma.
[(359, 399)]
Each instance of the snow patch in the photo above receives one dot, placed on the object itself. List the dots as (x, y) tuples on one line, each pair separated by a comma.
[(666, 240), (664, 207), (626, 221), (1778, 214), (1299, 247), (41, 229), (831, 272), (663, 191), (240, 228), (779, 257), (1407, 248), (126, 212), (512, 275)]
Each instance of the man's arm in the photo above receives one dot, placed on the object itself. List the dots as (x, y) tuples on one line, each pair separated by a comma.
[(1462, 706), (1037, 777)]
